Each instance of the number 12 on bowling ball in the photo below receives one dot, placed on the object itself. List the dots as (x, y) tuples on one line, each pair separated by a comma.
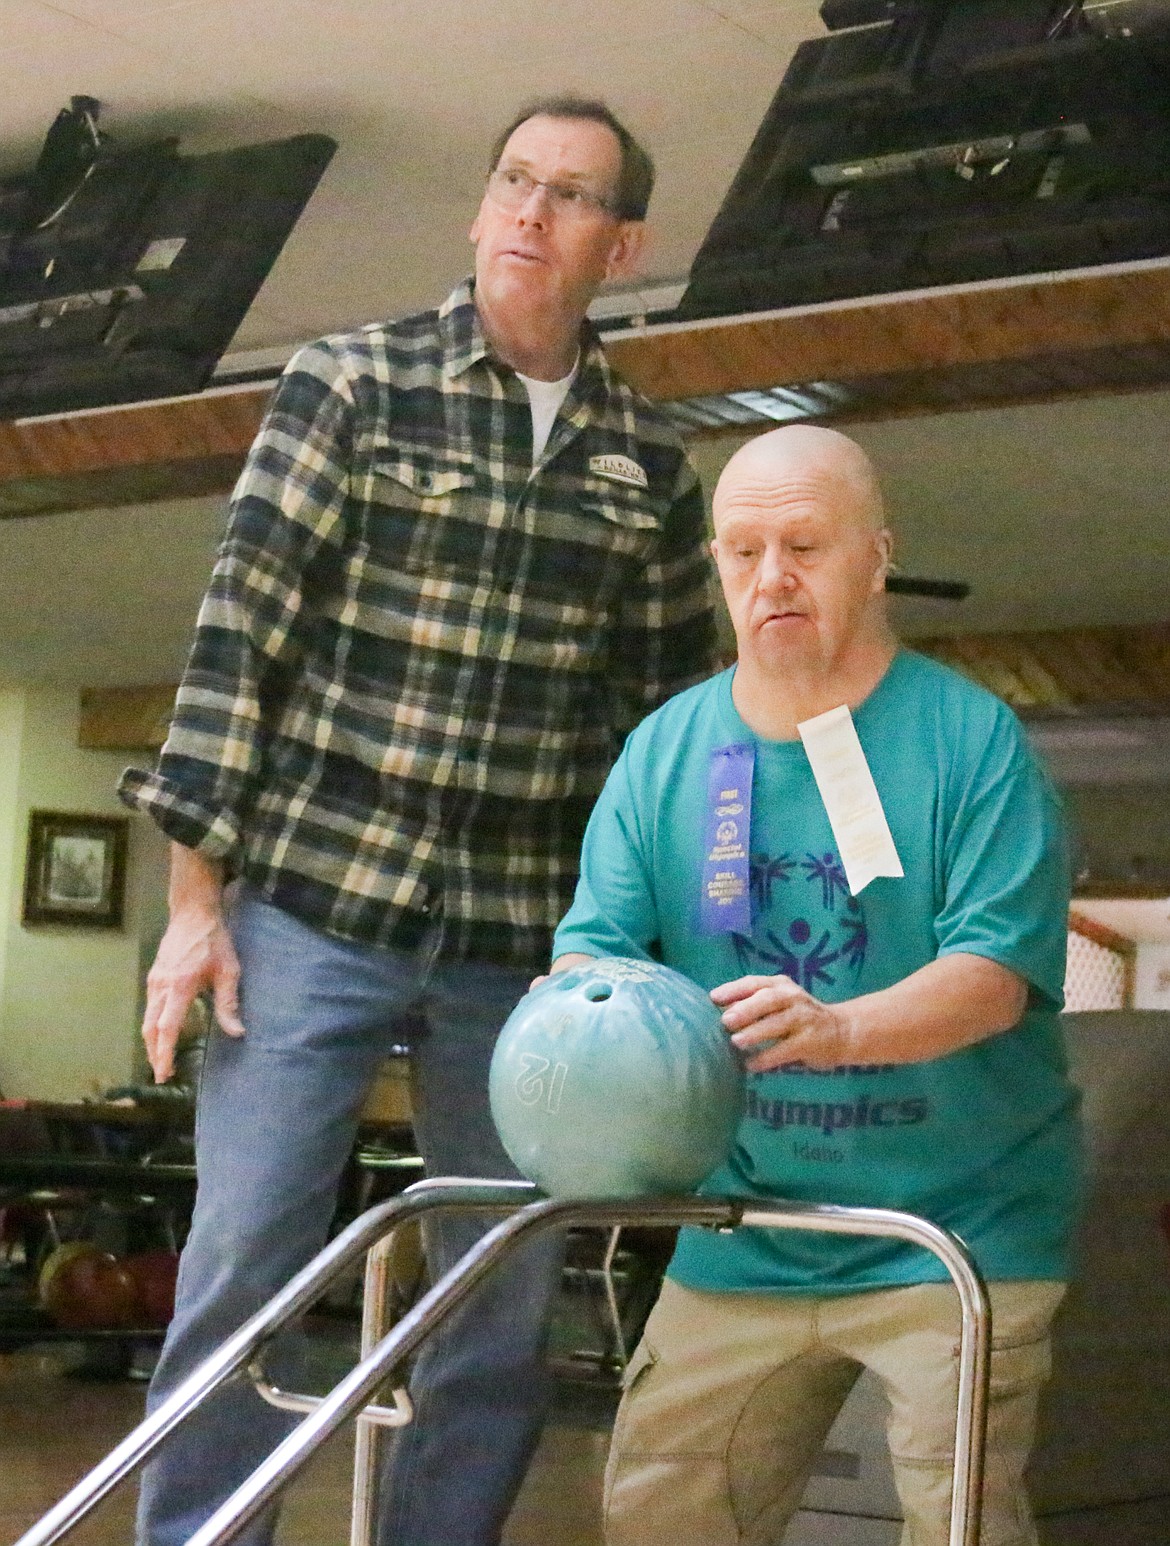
[(532, 1088)]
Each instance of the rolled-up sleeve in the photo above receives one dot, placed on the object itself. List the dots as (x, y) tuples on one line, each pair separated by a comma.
[(287, 506)]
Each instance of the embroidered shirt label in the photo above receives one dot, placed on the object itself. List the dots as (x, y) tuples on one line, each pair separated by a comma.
[(622, 469)]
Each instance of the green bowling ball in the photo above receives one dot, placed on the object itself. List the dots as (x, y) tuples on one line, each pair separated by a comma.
[(616, 1079)]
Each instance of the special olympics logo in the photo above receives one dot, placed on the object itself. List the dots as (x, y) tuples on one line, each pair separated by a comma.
[(727, 831)]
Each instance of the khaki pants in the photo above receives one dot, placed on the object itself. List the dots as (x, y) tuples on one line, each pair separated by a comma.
[(729, 1398)]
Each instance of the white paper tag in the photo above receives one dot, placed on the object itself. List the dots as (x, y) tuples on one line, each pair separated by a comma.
[(850, 796)]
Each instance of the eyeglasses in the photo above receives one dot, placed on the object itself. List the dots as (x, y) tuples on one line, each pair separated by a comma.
[(511, 186)]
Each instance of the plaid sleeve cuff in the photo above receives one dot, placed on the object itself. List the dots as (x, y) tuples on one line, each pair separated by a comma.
[(214, 833)]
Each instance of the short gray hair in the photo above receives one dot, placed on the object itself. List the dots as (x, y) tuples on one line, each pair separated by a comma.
[(636, 178)]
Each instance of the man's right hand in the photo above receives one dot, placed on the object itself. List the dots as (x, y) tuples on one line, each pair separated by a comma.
[(563, 963), (196, 954)]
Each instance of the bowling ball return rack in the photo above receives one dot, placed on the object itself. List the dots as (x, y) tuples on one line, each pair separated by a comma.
[(385, 1349), (68, 1162), (113, 1175), (123, 1176)]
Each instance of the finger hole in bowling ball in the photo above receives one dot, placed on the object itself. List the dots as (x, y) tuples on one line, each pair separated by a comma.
[(598, 993)]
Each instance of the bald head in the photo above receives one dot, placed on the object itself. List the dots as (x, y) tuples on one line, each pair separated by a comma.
[(803, 460), (802, 551)]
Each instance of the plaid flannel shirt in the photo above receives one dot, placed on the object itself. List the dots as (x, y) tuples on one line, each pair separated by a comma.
[(418, 653)]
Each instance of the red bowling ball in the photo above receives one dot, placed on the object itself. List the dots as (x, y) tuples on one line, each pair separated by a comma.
[(154, 1274), (84, 1288)]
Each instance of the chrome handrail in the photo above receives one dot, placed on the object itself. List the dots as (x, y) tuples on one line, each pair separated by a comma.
[(389, 1350), (232, 1356)]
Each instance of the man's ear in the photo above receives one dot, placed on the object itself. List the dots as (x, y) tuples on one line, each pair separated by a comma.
[(629, 245), (884, 547), (473, 234)]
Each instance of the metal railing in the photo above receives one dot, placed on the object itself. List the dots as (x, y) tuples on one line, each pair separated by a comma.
[(384, 1351)]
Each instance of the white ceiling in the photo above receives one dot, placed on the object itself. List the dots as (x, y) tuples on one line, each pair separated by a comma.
[(1056, 513), (414, 91)]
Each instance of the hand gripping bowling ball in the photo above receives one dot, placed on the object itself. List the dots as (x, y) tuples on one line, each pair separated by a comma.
[(616, 1079)]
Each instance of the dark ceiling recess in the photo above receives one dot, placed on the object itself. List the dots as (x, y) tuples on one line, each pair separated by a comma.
[(125, 271), (921, 585), (917, 144)]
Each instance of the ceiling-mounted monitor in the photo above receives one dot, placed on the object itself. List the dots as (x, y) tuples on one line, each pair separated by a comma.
[(945, 141), (124, 273)]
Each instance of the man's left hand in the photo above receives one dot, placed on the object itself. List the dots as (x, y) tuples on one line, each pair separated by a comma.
[(773, 1021)]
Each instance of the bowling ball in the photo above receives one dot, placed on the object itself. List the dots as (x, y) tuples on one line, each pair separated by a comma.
[(87, 1289), (616, 1079), (154, 1274), (55, 1263)]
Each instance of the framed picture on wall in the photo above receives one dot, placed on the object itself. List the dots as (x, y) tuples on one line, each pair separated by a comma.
[(75, 869)]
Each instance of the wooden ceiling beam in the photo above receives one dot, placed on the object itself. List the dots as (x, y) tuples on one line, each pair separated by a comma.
[(136, 453), (1058, 315), (1066, 670), (923, 351), (125, 719)]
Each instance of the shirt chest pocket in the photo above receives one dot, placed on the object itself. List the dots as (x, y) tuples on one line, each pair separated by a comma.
[(629, 513), (607, 535), (420, 508)]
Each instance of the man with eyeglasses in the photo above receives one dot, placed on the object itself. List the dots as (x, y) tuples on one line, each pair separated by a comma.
[(463, 560)]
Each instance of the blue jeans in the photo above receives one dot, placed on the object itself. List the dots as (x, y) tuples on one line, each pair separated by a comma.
[(276, 1120)]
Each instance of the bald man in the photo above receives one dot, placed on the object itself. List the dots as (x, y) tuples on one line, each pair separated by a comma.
[(854, 850)]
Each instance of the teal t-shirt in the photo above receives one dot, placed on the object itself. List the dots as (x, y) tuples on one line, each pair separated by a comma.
[(984, 1141)]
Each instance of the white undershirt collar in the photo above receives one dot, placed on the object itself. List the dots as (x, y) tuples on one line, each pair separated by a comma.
[(545, 399)]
